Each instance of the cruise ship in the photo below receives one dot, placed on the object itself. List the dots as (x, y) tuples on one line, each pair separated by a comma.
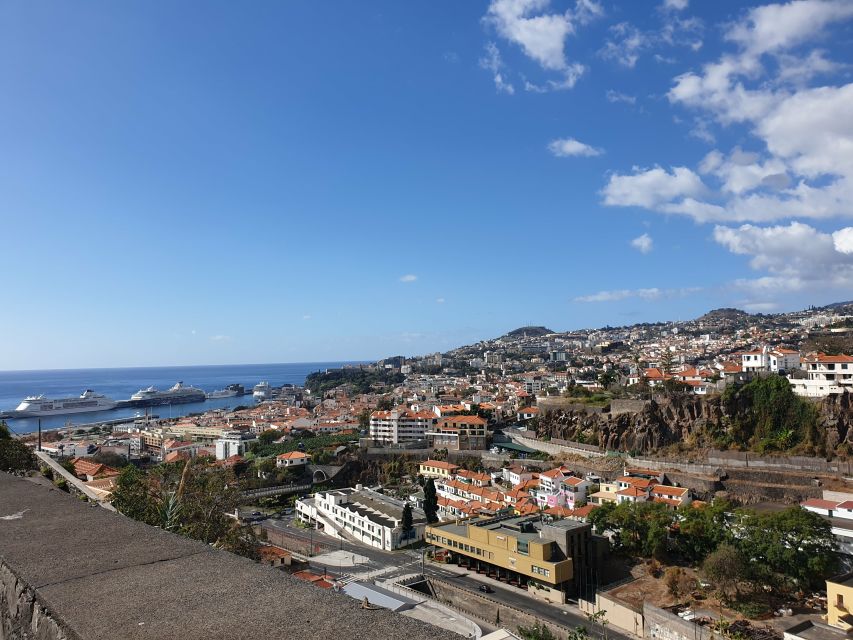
[(178, 394), (262, 391), (36, 406), (221, 393)]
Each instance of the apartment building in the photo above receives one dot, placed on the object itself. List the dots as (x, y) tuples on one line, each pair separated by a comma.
[(459, 433), (839, 601), (361, 515), (549, 558), (401, 425), (826, 375), (769, 359)]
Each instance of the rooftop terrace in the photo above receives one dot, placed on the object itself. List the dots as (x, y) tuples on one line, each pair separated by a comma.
[(76, 571)]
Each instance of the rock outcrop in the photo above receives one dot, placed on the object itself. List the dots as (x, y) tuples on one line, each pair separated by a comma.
[(668, 420)]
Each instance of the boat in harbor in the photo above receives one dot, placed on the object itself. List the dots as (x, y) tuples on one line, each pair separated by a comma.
[(37, 406), (178, 394), (221, 393), (262, 391)]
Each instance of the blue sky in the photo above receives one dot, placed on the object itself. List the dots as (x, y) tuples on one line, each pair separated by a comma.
[(215, 182)]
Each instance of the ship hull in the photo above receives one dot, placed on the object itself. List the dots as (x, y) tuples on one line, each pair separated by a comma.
[(164, 400)]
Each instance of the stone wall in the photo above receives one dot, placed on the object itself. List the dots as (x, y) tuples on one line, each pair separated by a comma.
[(22, 616), (72, 571)]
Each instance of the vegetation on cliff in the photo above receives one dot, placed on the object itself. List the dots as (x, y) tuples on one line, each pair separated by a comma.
[(360, 380), (766, 415)]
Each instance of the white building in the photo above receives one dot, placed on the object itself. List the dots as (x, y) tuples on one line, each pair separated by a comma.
[(231, 443), (361, 515), (770, 359), (401, 425), (827, 375), (292, 459)]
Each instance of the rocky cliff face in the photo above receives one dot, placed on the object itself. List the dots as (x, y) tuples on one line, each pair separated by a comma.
[(665, 421), (837, 422)]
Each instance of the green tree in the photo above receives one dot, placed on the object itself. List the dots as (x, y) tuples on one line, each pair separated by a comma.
[(725, 568), (767, 415), (406, 525), (701, 530), (131, 496), (794, 547), (430, 501), (607, 378)]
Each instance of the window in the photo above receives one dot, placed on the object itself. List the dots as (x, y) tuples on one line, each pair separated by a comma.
[(523, 547), (839, 600)]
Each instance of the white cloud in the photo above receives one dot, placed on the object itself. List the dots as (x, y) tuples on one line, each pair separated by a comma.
[(440, 300), (776, 27), (220, 338), (493, 62), (675, 5), (802, 166), (643, 294), (702, 131), (566, 147), (759, 307), (794, 257), (409, 277), (625, 44), (843, 240), (616, 96), (307, 316), (542, 35), (651, 188), (643, 243)]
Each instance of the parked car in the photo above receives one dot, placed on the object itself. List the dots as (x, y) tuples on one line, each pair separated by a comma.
[(486, 588)]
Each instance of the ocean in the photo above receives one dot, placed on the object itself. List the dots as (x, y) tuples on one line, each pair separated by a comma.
[(120, 384)]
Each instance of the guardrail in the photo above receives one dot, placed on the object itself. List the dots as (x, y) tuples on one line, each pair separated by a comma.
[(73, 480)]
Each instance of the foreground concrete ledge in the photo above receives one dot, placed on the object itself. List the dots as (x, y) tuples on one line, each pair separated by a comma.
[(72, 570)]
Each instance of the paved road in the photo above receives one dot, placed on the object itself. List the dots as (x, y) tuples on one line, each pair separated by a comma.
[(390, 564), (567, 615)]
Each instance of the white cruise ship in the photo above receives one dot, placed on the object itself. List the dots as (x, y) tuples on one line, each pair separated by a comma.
[(262, 391), (222, 393), (178, 394), (36, 406)]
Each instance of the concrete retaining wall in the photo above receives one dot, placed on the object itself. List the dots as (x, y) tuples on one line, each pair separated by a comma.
[(486, 609), (618, 407), (664, 625), (555, 448), (617, 613)]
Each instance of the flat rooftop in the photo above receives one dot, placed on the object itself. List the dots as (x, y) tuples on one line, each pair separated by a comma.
[(520, 527), (101, 575)]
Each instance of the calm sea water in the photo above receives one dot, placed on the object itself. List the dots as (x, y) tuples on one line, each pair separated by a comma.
[(120, 384)]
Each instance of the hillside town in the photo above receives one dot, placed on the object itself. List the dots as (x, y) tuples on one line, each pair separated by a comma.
[(490, 469)]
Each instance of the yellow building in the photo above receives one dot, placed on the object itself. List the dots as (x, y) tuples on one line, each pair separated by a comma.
[(839, 601), (437, 469), (547, 559)]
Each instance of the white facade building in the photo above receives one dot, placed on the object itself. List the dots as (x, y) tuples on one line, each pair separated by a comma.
[(231, 443), (401, 425), (361, 515), (826, 375)]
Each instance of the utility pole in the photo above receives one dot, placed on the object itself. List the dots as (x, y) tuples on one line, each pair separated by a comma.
[(39, 434)]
